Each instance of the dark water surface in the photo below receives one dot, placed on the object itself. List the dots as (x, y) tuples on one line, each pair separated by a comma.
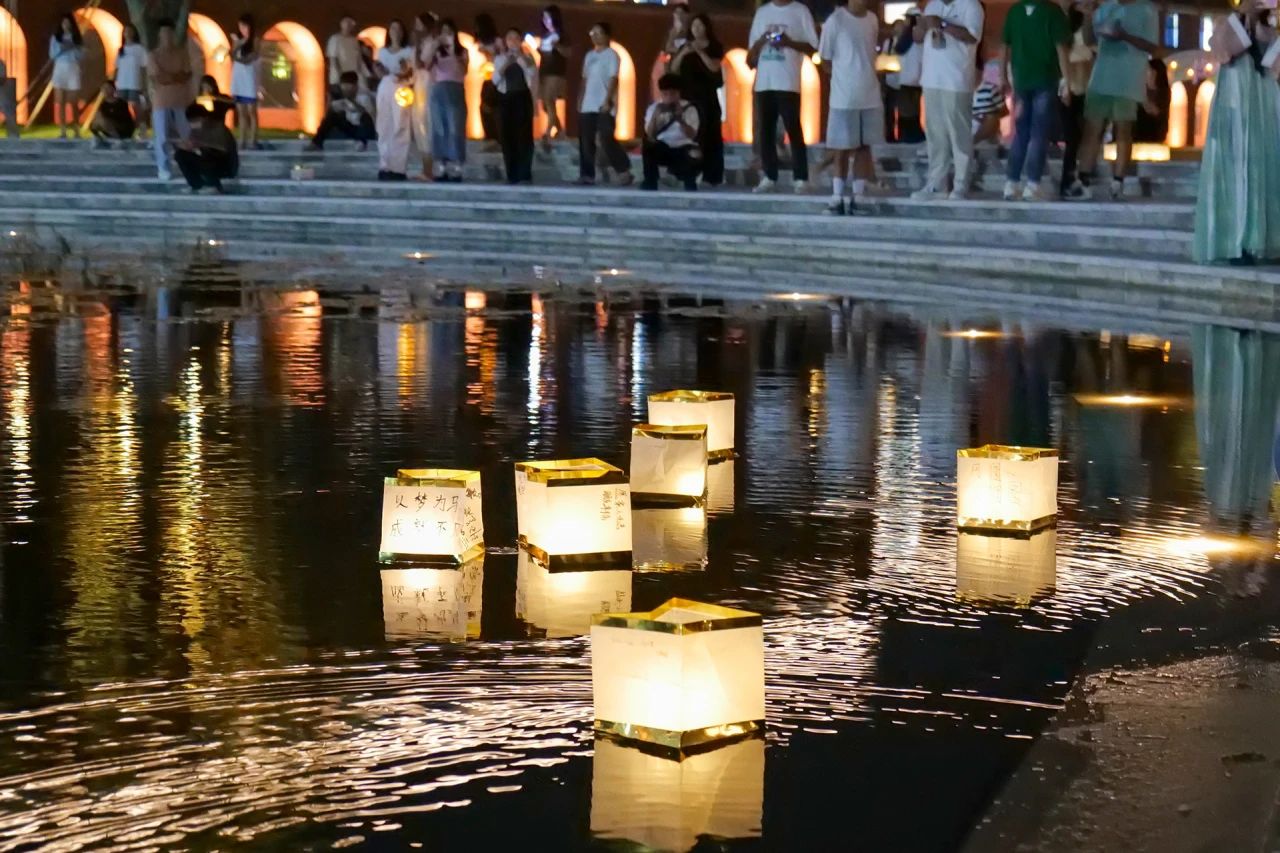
[(195, 651)]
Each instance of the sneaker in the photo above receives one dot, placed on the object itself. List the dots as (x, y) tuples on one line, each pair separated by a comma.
[(1012, 190), (765, 186), (1077, 192), (1117, 190), (164, 175), (1033, 192), (927, 193), (835, 207), (801, 187), (958, 195), (626, 179)]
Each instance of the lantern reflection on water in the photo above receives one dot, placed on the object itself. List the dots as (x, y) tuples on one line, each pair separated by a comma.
[(994, 568), (433, 604), (683, 675), (1006, 488), (669, 463), (720, 487), (714, 409), (670, 538), (431, 514), (666, 803), (561, 604), (573, 511)]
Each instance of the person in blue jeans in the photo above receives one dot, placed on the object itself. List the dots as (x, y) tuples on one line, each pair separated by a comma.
[(1036, 39)]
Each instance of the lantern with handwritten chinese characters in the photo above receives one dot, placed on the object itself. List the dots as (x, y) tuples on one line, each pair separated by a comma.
[(669, 539), (573, 511), (670, 803), (432, 515), (669, 464), (433, 604), (678, 677), (714, 409), (1004, 569), (561, 603), (1006, 488)]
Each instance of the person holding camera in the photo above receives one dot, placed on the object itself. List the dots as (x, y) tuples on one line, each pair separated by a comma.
[(670, 136), (513, 72), (782, 35), (697, 63)]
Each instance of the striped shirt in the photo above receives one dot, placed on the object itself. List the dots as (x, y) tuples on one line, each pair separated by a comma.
[(987, 100)]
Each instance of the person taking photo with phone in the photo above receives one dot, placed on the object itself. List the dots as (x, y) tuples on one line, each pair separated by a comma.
[(782, 35)]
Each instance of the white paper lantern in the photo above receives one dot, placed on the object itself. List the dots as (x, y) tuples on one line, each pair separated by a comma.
[(714, 409), (1006, 570), (431, 514), (574, 511), (662, 803), (720, 487), (670, 539), (1006, 488), (433, 604), (683, 675), (669, 463), (561, 603)]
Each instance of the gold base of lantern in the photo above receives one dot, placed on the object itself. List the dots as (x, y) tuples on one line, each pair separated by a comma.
[(721, 455), (681, 742), (432, 559), (994, 525), (557, 562), (658, 499)]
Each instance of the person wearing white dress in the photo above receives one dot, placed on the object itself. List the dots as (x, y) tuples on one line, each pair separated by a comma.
[(395, 103), (66, 49), (424, 35), (246, 49)]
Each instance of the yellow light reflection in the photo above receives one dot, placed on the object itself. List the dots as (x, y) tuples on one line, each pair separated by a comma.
[(976, 334), (1213, 545), (1153, 401)]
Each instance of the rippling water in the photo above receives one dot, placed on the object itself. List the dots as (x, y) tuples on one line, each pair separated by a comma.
[(198, 650)]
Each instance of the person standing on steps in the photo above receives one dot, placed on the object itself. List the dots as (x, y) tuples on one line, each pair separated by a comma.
[(343, 53), (598, 109), (697, 64), (681, 30), (782, 35), (553, 71), (1237, 217), (513, 72), (1125, 32), (1036, 38), (246, 48), (395, 101), (855, 120), (169, 73), (489, 43), (950, 31), (910, 63), (66, 51), (448, 67), (425, 28), (131, 74), (1079, 68)]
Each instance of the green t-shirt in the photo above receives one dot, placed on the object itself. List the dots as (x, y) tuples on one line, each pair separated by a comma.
[(1121, 69), (1033, 30)]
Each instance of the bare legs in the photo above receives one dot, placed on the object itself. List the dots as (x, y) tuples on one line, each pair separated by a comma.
[(66, 110), (247, 123)]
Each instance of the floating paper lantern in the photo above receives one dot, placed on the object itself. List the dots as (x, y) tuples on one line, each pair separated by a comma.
[(678, 677), (432, 514), (993, 568), (720, 487), (574, 511), (661, 803), (433, 604), (670, 539), (1006, 488), (669, 463), (561, 604), (404, 96), (690, 408)]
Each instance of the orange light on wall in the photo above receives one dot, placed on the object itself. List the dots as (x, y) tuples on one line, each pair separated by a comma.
[(1177, 116), (626, 118), (375, 37), (109, 30), (13, 50), (476, 62), (214, 47), (1204, 100), (740, 106), (308, 79)]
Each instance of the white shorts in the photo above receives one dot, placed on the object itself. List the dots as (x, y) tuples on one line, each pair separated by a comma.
[(848, 129)]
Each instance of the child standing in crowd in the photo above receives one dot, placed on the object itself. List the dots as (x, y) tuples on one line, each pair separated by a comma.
[(395, 99), (448, 67), (855, 121), (988, 104), (66, 49), (513, 73), (598, 109), (245, 49), (131, 77), (552, 71)]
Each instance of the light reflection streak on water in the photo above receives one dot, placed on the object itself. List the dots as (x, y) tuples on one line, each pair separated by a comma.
[(15, 391)]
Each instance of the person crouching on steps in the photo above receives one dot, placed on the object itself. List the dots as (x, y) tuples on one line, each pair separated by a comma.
[(670, 136)]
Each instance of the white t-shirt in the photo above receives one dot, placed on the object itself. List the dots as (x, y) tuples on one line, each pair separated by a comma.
[(129, 65), (673, 134), (343, 53), (778, 69), (391, 59), (952, 67), (598, 68), (848, 48)]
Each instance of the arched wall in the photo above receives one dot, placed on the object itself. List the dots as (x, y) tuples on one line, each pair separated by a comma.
[(308, 79), (13, 50)]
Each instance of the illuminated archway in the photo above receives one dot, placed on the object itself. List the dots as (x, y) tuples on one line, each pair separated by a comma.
[(479, 69), (214, 48), (1177, 116), (739, 102), (625, 128), (102, 36), (13, 50), (1204, 100), (375, 37), (303, 60)]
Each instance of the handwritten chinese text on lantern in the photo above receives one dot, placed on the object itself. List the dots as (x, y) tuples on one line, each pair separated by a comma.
[(1000, 569), (433, 604), (1006, 488), (432, 514), (573, 511)]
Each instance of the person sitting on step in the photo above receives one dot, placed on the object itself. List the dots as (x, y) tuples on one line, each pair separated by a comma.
[(207, 155), (113, 119), (670, 136), (350, 115)]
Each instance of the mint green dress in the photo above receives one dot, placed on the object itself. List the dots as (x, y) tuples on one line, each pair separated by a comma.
[(1238, 209)]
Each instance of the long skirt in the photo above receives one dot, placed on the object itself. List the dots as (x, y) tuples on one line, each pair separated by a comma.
[(395, 134), (1238, 209)]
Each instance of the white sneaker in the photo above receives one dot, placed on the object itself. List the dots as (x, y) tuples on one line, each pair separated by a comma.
[(1012, 190), (765, 186), (801, 187), (958, 195), (1033, 192), (164, 175), (1117, 190), (927, 193)]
